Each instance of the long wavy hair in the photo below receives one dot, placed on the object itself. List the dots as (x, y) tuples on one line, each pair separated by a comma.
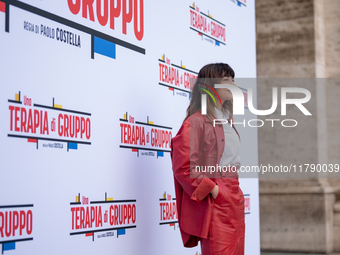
[(210, 74)]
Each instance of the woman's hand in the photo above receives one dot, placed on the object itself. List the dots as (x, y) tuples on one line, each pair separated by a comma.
[(214, 191)]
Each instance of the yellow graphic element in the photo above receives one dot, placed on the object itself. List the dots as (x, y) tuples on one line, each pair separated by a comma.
[(58, 106), (184, 66), (17, 97), (163, 57), (109, 199), (210, 16), (164, 195), (193, 5), (124, 116), (77, 199), (150, 122)]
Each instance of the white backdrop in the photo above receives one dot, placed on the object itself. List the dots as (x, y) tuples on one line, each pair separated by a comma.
[(88, 109)]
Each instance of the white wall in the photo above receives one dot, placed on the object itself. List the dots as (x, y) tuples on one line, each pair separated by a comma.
[(44, 169)]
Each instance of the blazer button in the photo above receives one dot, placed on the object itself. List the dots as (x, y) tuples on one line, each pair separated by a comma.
[(222, 140)]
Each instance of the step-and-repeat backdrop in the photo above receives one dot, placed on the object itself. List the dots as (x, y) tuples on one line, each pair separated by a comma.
[(92, 91)]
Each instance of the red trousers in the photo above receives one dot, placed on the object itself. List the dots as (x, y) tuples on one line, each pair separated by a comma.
[(227, 227)]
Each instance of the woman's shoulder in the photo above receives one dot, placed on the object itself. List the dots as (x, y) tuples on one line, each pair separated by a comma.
[(195, 122), (195, 126), (196, 117)]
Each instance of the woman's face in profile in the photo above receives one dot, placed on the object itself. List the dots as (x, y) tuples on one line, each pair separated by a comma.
[(224, 93)]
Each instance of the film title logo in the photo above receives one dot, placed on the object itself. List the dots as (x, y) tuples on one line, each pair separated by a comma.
[(137, 135), (240, 3), (108, 11), (90, 217), (53, 123), (206, 25), (175, 77), (16, 225), (104, 12), (168, 210)]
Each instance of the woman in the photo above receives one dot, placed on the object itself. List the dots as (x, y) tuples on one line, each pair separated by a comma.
[(210, 203)]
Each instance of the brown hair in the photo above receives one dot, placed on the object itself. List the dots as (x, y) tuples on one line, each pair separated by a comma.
[(210, 74)]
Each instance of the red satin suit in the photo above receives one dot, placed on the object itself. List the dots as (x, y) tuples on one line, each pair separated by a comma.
[(218, 224)]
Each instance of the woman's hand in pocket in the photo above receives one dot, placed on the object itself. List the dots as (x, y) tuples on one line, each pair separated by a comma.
[(214, 191)]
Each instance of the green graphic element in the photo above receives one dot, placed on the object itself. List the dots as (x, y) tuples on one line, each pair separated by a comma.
[(209, 95)]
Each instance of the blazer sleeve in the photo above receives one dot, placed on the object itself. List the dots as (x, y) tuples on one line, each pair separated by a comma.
[(185, 157)]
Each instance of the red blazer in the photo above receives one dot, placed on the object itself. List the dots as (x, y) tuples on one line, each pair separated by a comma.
[(197, 143)]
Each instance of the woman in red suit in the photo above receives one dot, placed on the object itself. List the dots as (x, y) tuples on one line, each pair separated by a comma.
[(205, 157)]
